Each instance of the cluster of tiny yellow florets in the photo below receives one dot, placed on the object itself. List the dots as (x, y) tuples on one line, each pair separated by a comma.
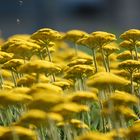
[(52, 90)]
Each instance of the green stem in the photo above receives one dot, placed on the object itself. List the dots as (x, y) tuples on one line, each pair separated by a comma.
[(108, 63), (136, 52), (49, 54), (132, 86), (132, 54), (101, 99), (50, 59), (94, 60), (76, 49), (42, 133), (40, 55), (14, 78), (1, 80), (104, 61)]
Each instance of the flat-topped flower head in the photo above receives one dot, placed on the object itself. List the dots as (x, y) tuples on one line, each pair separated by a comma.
[(127, 55), (123, 98), (30, 79), (120, 133), (23, 48), (44, 101), (9, 99), (136, 77), (121, 73), (74, 35), (79, 71), (93, 135), (79, 61), (69, 109), (20, 36), (102, 38), (83, 96), (20, 132), (102, 80), (110, 48), (131, 35), (46, 35), (63, 84), (134, 131), (78, 124), (38, 118), (44, 88), (127, 45), (40, 66), (20, 90), (130, 65), (13, 64), (4, 56), (120, 110), (88, 41)]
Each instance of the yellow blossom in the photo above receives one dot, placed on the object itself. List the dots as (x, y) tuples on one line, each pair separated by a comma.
[(19, 132), (44, 88), (104, 79), (38, 118), (39, 66), (131, 35), (74, 35)]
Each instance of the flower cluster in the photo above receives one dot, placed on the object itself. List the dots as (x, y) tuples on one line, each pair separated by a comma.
[(52, 90)]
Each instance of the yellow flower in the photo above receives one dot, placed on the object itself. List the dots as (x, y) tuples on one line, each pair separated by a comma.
[(130, 65), (8, 84), (4, 57), (127, 55), (121, 110), (46, 35), (83, 96), (20, 36), (96, 39), (38, 118), (121, 97), (79, 71), (131, 35), (122, 73), (28, 80), (136, 77), (101, 38), (20, 133), (91, 135), (127, 45), (102, 80), (63, 84), (110, 48), (119, 133), (6, 74), (78, 124), (79, 62), (13, 64), (134, 131), (7, 99), (69, 109), (3, 130), (39, 66), (19, 90), (44, 88), (74, 35), (23, 48), (44, 101)]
